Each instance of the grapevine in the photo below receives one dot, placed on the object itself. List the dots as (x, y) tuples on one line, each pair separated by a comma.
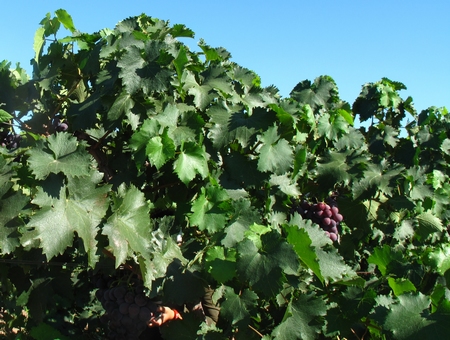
[(127, 148)]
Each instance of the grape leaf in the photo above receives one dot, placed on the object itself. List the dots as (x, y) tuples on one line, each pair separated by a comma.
[(236, 308), (276, 154), (61, 152), (301, 242), (65, 19), (207, 213), (79, 208), (285, 184), (298, 319), (438, 258), (264, 268), (46, 332), (191, 161), (382, 257), (243, 216), (122, 105), (160, 149), (10, 208), (401, 286), (5, 116), (428, 223), (221, 263), (312, 248), (331, 128), (128, 228), (407, 318)]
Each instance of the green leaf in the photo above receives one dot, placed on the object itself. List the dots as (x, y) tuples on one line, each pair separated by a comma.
[(383, 257), (5, 116), (429, 223), (406, 318), (301, 242), (333, 168), (121, 106), (46, 332), (168, 117), (160, 149), (301, 319), (61, 152), (312, 248), (221, 263), (207, 212), (276, 154), (38, 43), (80, 211), (264, 268), (180, 61), (331, 128), (65, 19), (128, 228), (438, 258), (191, 161), (236, 308), (285, 184), (243, 216), (401, 286), (10, 208)]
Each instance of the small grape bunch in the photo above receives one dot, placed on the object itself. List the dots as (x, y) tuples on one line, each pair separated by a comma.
[(127, 309), (10, 140), (326, 215)]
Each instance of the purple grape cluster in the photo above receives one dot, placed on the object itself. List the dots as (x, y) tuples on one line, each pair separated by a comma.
[(10, 140), (326, 215), (127, 309)]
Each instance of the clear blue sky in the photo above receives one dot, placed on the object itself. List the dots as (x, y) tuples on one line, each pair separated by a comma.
[(284, 41)]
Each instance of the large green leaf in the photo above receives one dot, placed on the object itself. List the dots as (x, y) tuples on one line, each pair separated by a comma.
[(160, 149), (410, 319), (78, 208), (191, 161), (236, 307), (207, 212), (61, 152), (276, 155), (129, 228), (298, 321), (264, 267)]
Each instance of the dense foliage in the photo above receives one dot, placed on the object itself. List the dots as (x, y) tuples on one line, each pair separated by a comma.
[(124, 141)]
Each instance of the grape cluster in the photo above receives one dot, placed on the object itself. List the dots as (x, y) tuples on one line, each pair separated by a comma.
[(10, 140), (60, 125), (127, 308), (326, 215)]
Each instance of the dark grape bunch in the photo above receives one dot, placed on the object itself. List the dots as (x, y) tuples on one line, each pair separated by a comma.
[(127, 308), (10, 140), (60, 125), (326, 215)]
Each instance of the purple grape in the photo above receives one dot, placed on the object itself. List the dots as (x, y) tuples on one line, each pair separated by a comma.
[(333, 237), (320, 206), (145, 314), (119, 292), (140, 300), (133, 311), (129, 297), (123, 308), (326, 221)]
